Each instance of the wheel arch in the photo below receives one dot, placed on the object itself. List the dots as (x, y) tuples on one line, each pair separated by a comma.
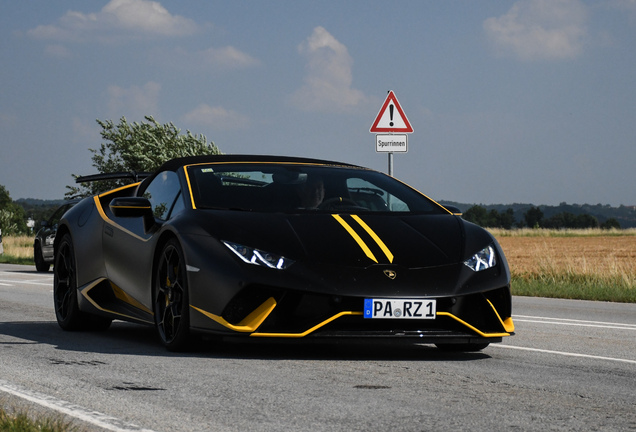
[(163, 239), (61, 230)]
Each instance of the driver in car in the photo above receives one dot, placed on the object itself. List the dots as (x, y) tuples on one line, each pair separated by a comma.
[(311, 192)]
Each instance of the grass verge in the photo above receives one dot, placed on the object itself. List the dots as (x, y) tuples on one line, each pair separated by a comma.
[(17, 250), (573, 287), (22, 422), (590, 264)]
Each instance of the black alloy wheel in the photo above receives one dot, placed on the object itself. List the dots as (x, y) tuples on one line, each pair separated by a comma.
[(65, 286), (171, 298), (40, 264), (67, 311)]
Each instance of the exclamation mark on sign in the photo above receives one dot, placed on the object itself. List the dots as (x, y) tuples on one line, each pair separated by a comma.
[(391, 114)]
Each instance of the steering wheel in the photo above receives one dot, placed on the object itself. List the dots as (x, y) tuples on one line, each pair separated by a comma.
[(337, 201)]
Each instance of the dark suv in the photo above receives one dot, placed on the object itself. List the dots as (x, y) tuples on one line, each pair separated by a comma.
[(44, 239)]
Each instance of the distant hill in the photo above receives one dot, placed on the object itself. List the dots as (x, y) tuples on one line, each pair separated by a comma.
[(33, 202), (38, 209), (625, 215)]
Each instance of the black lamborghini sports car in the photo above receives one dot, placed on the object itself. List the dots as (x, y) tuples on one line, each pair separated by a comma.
[(279, 247)]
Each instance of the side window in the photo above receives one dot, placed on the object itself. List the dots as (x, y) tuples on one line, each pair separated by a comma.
[(162, 193), (178, 205)]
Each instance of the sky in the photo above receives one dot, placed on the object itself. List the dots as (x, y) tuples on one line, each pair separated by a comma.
[(529, 101)]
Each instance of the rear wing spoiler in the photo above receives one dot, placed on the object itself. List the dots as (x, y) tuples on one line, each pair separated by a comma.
[(132, 175)]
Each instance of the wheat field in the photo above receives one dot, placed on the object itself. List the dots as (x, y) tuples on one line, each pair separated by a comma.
[(591, 264), (591, 256), (20, 247)]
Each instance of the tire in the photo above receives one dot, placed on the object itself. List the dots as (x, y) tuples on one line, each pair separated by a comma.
[(40, 264), (67, 312), (170, 298), (463, 347)]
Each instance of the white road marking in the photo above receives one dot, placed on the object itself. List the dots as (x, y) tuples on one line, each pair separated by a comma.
[(93, 417), (569, 354), (573, 322), (43, 281)]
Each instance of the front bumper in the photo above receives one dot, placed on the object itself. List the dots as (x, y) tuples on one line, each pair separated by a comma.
[(263, 312)]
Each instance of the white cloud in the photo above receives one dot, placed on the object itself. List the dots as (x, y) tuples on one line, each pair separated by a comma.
[(328, 78), (216, 117), (119, 18), (227, 57), (134, 102), (540, 29)]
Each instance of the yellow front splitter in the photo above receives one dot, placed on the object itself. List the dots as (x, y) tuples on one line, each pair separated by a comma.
[(251, 323)]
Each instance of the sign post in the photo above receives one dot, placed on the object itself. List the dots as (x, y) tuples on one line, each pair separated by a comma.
[(388, 124)]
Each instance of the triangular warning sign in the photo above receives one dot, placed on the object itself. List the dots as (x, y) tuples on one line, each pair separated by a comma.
[(391, 117)]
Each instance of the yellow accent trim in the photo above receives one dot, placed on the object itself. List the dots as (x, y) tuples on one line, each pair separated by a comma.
[(479, 332), (375, 237), (125, 297), (98, 204), (85, 291), (305, 333), (250, 322), (508, 325), (256, 318), (118, 189), (109, 221), (187, 176), (356, 237)]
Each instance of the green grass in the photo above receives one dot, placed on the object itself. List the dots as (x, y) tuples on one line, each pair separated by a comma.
[(22, 422), (10, 259), (573, 287)]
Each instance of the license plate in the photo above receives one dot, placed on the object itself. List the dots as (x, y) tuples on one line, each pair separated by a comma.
[(400, 308)]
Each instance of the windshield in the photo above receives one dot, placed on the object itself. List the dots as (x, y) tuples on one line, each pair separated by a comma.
[(272, 187)]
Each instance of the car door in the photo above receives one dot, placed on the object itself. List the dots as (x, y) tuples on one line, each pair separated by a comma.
[(128, 245)]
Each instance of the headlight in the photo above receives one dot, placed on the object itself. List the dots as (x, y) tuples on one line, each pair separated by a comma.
[(482, 260), (259, 257)]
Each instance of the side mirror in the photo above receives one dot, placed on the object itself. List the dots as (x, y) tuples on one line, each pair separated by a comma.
[(134, 207)]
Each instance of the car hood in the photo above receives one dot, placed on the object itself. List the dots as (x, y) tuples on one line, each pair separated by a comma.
[(408, 241)]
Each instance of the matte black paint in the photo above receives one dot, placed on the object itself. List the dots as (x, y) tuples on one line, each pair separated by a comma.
[(428, 253)]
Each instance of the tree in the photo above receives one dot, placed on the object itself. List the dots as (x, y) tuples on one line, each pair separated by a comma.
[(569, 220), (477, 215), (611, 223), (533, 217), (138, 147), (506, 219), (491, 219), (12, 219)]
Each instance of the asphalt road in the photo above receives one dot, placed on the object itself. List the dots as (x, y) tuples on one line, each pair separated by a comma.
[(571, 366)]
